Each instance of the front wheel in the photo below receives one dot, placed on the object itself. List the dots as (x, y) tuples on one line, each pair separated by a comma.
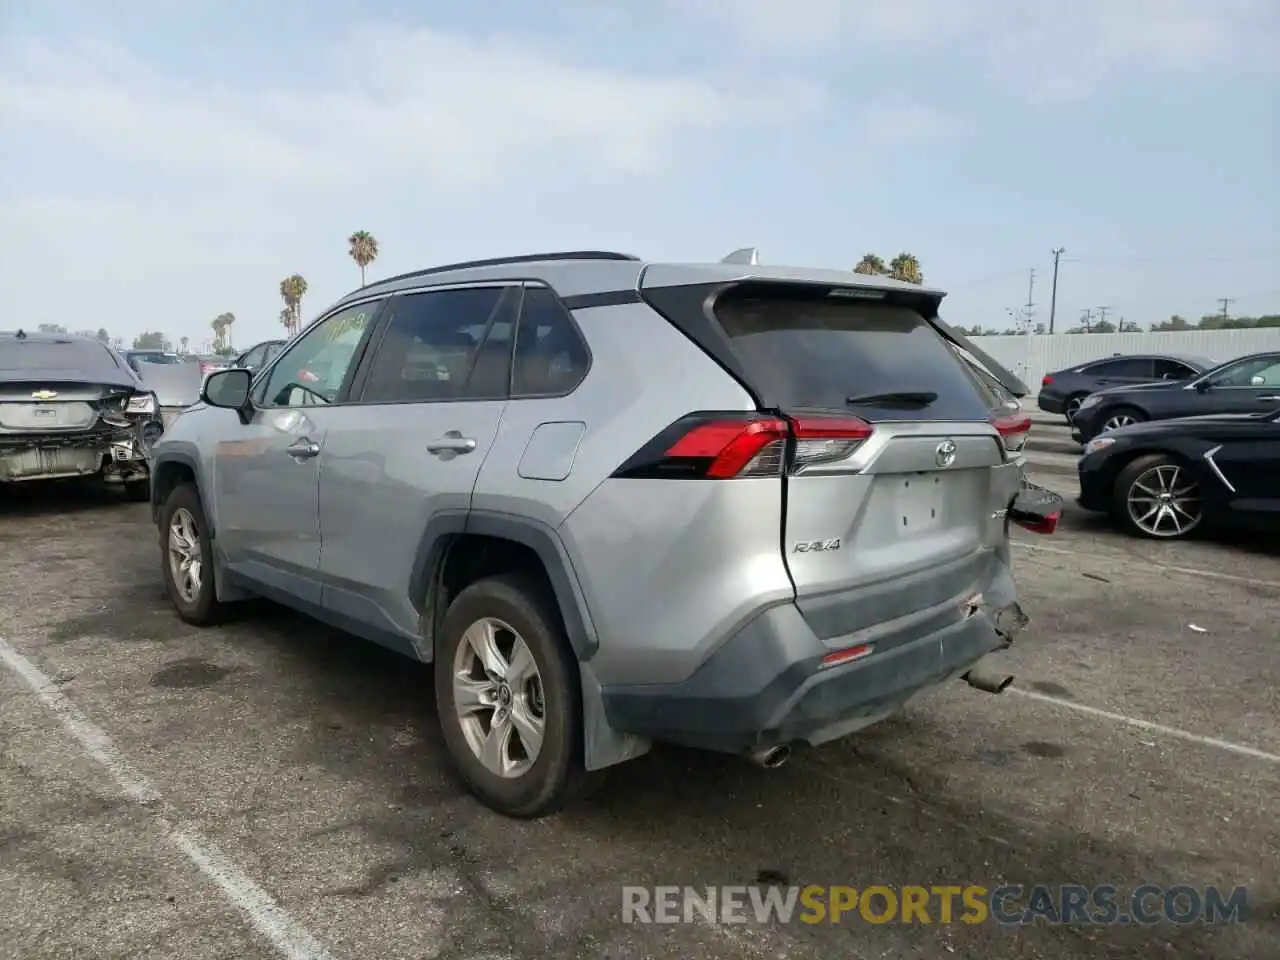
[(509, 700), (1157, 498), (1122, 417), (187, 557)]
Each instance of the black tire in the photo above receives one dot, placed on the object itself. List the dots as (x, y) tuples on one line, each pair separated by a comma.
[(137, 491), (1072, 404), (204, 609), (1120, 497), (557, 775)]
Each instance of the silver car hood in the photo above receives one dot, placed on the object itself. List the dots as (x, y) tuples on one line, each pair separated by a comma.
[(174, 384)]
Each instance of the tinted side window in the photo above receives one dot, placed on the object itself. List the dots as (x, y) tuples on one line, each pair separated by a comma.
[(1257, 372), (1173, 370), (445, 345), (314, 369), (1128, 367), (551, 359), (252, 359)]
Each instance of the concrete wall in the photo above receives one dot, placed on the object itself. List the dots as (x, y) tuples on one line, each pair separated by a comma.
[(1032, 357)]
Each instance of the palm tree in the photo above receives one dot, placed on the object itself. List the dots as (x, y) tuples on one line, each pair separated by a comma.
[(286, 320), (871, 265), (363, 249), (219, 331), (228, 321), (293, 289), (184, 343), (906, 267)]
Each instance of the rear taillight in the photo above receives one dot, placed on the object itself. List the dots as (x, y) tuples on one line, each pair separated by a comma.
[(1046, 380), (1044, 525), (827, 439), (1013, 430), (728, 446)]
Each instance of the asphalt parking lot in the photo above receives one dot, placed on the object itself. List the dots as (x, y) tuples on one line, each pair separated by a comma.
[(273, 788)]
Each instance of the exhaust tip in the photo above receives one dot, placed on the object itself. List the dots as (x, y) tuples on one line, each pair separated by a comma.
[(772, 758), (988, 681)]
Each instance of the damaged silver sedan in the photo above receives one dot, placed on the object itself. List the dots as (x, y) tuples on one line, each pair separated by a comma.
[(71, 408)]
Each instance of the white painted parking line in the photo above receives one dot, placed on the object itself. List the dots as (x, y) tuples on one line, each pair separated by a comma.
[(1237, 748), (263, 913), (1186, 571)]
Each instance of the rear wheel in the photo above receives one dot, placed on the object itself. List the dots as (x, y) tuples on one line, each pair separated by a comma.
[(187, 557), (1122, 417), (509, 700), (137, 491), (1156, 497), (1072, 405)]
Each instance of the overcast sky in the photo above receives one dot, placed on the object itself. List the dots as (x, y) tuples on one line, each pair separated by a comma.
[(161, 165)]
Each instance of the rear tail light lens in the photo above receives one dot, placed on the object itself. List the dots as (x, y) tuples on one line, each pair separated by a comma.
[(1045, 525), (734, 448), (731, 446), (827, 439), (1013, 431), (1046, 380)]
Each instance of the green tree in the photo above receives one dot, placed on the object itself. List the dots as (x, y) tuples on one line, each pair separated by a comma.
[(1173, 323), (363, 248), (51, 328), (184, 343), (292, 289), (149, 340), (103, 335), (871, 265), (906, 267)]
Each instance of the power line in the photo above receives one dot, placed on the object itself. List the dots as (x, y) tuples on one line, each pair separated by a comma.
[(1102, 315), (1226, 302)]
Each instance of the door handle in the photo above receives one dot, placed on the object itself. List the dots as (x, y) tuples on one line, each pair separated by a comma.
[(303, 449), (1269, 399), (452, 442)]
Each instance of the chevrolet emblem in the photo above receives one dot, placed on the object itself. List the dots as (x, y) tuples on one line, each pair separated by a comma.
[(44, 394)]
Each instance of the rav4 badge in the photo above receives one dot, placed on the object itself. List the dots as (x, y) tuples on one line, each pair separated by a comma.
[(816, 546)]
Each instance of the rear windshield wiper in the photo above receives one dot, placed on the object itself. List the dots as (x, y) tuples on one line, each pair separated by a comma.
[(906, 398)]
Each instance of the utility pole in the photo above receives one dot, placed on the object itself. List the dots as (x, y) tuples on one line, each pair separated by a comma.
[(1086, 318), (1031, 287), (1053, 296), (1102, 314), (1226, 302)]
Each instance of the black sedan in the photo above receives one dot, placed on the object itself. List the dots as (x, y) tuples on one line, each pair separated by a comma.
[(1063, 390), (1170, 478), (1248, 385)]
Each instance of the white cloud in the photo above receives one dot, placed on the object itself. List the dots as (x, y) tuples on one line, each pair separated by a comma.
[(1042, 47), (448, 109)]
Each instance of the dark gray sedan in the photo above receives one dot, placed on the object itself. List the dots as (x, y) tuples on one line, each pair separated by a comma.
[(1063, 390)]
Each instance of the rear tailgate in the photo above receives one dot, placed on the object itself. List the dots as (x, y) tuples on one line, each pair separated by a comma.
[(893, 505)]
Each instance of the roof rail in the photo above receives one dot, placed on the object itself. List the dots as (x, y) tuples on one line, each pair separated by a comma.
[(504, 261), (747, 255)]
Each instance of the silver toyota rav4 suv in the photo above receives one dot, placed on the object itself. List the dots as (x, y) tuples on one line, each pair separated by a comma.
[(722, 505)]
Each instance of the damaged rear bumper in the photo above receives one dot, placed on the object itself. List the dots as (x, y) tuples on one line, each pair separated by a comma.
[(775, 682), (113, 452)]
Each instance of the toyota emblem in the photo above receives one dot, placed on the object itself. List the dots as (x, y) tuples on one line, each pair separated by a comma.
[(946, 453)]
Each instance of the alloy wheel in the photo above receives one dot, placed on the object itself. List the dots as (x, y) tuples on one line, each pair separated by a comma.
[(185, 559), (1164, 502), (498, 696), (1119, 420)]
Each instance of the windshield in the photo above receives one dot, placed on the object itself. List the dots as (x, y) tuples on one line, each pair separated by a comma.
[(86, 355)]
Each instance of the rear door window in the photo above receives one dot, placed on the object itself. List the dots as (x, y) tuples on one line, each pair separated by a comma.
[(823, 353), (446, 345), (1172, 370), (1132, 368)]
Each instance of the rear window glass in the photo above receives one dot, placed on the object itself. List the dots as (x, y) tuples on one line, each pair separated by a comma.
[(88, 355), (819, 353)]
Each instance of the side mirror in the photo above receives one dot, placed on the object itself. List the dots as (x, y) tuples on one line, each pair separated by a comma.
[(1203, 386), (228, 389)]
